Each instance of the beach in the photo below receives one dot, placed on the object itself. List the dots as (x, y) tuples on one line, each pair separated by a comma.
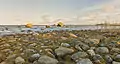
[(61, 47)]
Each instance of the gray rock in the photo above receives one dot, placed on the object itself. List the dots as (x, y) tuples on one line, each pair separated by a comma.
[(108, 59), (65, 44), (102, 50), (116, 62), (117, 58), (47, 60), (98, 59), (83, 46), (91, 52), (19, 60), (34, 57), (84, 61), (63, 51), (79, 55), (78, 47), (93, 42)]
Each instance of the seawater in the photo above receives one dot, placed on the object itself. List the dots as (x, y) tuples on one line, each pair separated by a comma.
[(12, 29)]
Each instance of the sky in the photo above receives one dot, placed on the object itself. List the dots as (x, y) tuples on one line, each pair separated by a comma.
[(53, 11)]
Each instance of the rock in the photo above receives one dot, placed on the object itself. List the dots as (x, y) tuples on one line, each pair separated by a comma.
[(83, 46), (117, 58), (112, 45), (65, 45), (115, 50), (79, 55), (19, 60), (102, 50), (84, 61), (92, 48), (64, 38), (91, 52), (94, 42), (72, 35), (2, 57), (61, 51), (108, 59), (47, 60), (78, 48), (115, 62), (98, 59), (29, 52), (34, 57)]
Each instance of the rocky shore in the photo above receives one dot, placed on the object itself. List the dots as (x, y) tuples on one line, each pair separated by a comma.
[(61, 47)]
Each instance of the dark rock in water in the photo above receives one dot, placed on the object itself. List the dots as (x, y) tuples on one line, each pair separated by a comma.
[(84, 61), (47, 60), (61, 51), (108, 59), (98, 59), (117, 58), (102, 50), (115, 62), (34, 57), (79, 55)]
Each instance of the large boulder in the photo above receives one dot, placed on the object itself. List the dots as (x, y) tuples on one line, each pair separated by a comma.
[(47, 60), (102, 50), (61, 51), (85, 61)]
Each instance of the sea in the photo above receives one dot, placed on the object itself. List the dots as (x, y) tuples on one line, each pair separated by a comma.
[(13, 29)]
